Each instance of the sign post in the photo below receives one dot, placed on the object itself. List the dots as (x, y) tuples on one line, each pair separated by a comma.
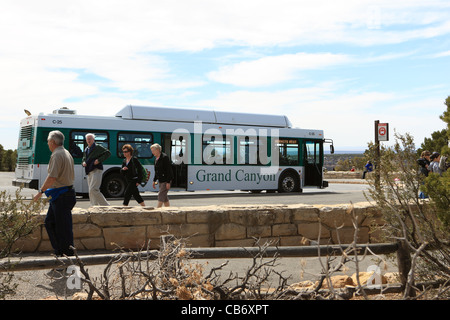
[(383, 131), (381, 134)]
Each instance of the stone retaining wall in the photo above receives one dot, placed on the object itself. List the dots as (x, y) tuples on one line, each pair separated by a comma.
[(343, 175), (212, 226)]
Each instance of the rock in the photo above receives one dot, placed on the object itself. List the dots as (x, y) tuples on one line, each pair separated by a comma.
[(84, 296), (392, 277), (339, 281), (364, 277), (303, 285)]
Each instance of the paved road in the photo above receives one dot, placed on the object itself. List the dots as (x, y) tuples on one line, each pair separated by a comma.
[(336, 193)]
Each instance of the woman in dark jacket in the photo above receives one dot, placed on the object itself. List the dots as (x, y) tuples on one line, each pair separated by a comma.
[(163, 174), (133, 176), (424, 162)]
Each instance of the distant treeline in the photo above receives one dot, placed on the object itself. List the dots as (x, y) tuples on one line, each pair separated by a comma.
[(8, 159), (344, 162)]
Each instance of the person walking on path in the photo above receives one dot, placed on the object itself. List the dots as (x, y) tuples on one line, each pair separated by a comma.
[(133, 176), (58, 187), (93, 157), (163, 174)]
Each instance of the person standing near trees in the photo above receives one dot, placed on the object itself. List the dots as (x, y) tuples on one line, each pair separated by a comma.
[(93, 157), (58, 187), (367, 168), (434, 165), (424, 162)]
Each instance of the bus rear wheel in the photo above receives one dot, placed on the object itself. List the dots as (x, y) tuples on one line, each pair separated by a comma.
[(289, 182), (113, 185)]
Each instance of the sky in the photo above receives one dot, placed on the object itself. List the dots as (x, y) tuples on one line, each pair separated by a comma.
[(331, 65)]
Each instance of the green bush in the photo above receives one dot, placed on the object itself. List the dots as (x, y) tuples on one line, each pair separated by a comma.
[(395, 188), (438, 189), (17, 220)]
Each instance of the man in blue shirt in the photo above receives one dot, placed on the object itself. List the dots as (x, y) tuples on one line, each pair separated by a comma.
[(367, 168)]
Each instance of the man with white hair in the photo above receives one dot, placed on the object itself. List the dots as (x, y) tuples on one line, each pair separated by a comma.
[(93, 157), (58, 187)]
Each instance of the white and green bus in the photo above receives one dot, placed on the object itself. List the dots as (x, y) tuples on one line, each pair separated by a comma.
[(209, 150)]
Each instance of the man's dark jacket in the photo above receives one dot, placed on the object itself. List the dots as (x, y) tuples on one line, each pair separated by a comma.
[(96, 152)]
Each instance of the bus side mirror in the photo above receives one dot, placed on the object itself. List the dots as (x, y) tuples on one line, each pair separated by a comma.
[(330, 141)]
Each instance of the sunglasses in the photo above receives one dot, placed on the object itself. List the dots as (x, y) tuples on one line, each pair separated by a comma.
[(124, 151)]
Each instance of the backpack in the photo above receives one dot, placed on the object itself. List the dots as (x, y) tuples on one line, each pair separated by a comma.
[(144, 172)]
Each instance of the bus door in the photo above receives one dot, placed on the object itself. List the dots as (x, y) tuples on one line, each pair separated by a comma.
[(176, 149), (312, 158)]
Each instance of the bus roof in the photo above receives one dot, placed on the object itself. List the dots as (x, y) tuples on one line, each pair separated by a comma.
[(207, 116)]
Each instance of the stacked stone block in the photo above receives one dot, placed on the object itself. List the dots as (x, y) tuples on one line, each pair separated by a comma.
[(136, 228)]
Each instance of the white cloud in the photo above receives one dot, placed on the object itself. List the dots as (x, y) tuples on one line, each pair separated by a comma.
[(47, 45), (441, 54), (274, 69), (24, 82), (271, 70), (106, 27), (346, 117)]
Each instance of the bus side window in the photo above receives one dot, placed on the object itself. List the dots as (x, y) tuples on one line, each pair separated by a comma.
[(77, 142), (75, 150), (216, 150), (141, 143), (178, 149), (313, 152), (288, 152), (248, 150)]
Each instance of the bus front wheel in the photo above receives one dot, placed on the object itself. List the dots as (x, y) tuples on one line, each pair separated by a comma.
[(113, 185), (289, 182)]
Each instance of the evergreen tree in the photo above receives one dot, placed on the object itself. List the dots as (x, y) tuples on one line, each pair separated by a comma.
[(446, 118), (8, 159), (439, 140)]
